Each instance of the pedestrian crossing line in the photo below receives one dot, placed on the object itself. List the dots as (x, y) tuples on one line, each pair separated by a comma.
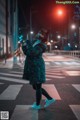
[(67, 63), (52, 70), (76, 110), (76, 86), (1, 83), (47, 63), (15, 67), (14, 80), (72, 73), (12, 75), (11, 92), (76, 63), (51, 89), (57, 63), (15, 72), (24, 112), (54, 73), (48, 79), (54, 76)]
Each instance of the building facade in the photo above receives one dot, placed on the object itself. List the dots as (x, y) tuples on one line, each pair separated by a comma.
[(5, 34)]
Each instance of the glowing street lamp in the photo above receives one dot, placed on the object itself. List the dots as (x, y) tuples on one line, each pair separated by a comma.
[(60, 12), (48, 43), (51, 41), (56, 46), (73, 26), (31, 32), (58, 36), (76, 46)]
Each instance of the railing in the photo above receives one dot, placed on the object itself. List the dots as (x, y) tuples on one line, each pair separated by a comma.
[(75, 53)]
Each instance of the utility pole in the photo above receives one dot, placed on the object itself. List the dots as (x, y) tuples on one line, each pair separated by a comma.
[(79, 37), (15, 29), (6, 28), (30, 24)]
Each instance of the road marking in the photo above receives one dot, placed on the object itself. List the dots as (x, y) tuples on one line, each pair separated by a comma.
[(24, 112), (51, 89), (47, 63), (51, 70), (10, 74), (55, 76), (67, 63), (54, 73), (75, 63), (16, 72), (48, 79), (1, 83), (11, 92), (14, 80), (76, 110), (76, 86), (72, 73), (57, 63)]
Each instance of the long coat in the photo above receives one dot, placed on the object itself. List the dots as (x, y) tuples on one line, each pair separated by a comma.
[(34, 68)]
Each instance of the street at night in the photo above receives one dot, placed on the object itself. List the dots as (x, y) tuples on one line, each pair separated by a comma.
[(63, 84), (39, 60)]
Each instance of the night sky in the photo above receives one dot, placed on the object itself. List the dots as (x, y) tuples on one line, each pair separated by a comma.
[(44, 15)]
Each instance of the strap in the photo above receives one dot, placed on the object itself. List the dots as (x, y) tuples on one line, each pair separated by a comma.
[(36, 43)]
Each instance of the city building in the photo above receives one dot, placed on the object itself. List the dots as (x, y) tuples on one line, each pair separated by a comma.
[(4, 28)]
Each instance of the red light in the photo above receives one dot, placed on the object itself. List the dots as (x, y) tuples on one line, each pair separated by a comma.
[(60, 12)]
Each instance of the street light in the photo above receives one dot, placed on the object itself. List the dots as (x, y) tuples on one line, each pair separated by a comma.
[(60, 12), (56, 46), (51, 41), (31, 32), (73, 26), (58, 36)]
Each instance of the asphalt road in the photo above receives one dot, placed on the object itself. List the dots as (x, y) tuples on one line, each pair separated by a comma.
[(62, 83)]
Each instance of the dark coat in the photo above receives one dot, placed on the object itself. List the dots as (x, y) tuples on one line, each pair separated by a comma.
[(34, 68)]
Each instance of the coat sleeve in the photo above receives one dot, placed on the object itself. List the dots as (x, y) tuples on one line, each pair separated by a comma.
[(37, 50), (25, 45)]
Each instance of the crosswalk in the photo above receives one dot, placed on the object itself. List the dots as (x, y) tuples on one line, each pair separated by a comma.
[(63, 63), (11, 92), (23, 111)]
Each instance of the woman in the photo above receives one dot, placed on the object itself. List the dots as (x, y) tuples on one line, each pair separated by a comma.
[(34, 68)]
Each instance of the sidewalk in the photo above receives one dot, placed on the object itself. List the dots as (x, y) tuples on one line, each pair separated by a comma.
[(7, 64)]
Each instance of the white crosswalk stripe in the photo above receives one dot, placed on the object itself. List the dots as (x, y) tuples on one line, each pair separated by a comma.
[(51, 89), (51, 73), (7, 74), (14, 80), (76, 86), (67, 63), (1, 83), (76, 110), (24, 112), (11, 92), (16, 72), (55, 76)]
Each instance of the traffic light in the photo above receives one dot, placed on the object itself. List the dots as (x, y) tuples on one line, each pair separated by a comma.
[(60, 12)]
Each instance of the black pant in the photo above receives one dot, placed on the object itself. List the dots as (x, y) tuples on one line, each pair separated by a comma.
[(39, 92)]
